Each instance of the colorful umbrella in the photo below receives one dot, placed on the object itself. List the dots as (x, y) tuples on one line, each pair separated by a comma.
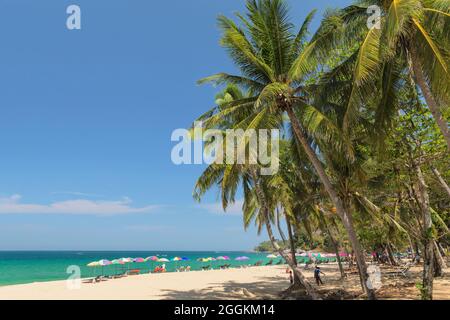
[(271, 256), (242, 258), (104, 262), (139, 260), (117, 261), (152, 258), (177, 259), (163, 260), (93, 264), (184, 259)]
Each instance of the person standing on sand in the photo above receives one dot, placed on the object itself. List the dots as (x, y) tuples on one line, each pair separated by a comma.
[(317, 273), (291, 277)]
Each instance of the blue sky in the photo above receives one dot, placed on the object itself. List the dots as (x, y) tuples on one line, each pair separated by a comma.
[(86, 119)]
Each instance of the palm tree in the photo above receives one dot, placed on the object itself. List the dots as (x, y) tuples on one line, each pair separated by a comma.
[(259, 201), (413, 39), (275, 64)]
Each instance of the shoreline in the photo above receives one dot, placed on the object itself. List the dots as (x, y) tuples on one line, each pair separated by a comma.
[(252, 283), (154, 286)]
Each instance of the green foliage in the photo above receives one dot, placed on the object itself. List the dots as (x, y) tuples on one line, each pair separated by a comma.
[(266, 246)]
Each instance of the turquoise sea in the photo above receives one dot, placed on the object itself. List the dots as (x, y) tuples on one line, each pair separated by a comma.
[(32, 266)]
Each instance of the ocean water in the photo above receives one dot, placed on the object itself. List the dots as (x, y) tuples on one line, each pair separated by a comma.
[(18, 267)]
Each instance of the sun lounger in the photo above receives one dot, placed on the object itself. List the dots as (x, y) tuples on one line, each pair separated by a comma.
[(133, 272), (89, 280), (401, 271), (159, 270)]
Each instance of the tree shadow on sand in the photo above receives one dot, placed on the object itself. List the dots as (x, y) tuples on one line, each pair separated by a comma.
[(262, 288)]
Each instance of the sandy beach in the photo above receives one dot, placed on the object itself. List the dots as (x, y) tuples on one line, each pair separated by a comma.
[(248, 283)]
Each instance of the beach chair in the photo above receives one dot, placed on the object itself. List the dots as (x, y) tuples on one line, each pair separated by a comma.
[(134, 272), (206, 268), (269, 263), (402, 271), (89, 280)]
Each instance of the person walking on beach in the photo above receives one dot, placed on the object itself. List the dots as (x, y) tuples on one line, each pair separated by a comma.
[(317, 273), (291, 277)]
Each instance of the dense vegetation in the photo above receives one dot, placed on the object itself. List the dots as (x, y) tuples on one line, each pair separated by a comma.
[(266, 246), (363, 111)]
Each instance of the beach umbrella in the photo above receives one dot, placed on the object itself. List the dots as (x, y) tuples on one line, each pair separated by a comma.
[(138, 260), (185, 259), (152, 258), (176, 259), (104, 262), (115, 262), (163, 260), (93, 264), (271, 256), (241, 258)]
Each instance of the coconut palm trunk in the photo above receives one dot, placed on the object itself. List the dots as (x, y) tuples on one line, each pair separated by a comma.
[(292, 246), (310, 290), (427, 236), (441, 180), (291, 240), (334, 243), (343, 214), (428, 96), (439, 261), (391, 257), (280, 231)]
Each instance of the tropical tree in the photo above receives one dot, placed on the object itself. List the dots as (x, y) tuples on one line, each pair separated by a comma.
[(275, 64), (259, 204), (409, 37)]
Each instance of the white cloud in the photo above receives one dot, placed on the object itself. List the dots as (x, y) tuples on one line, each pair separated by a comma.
[(216, 208), (13, 205), (150, 228), (76, 193)]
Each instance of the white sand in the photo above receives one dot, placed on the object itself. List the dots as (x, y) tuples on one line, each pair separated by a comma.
[(214, 284), (249, 283)]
